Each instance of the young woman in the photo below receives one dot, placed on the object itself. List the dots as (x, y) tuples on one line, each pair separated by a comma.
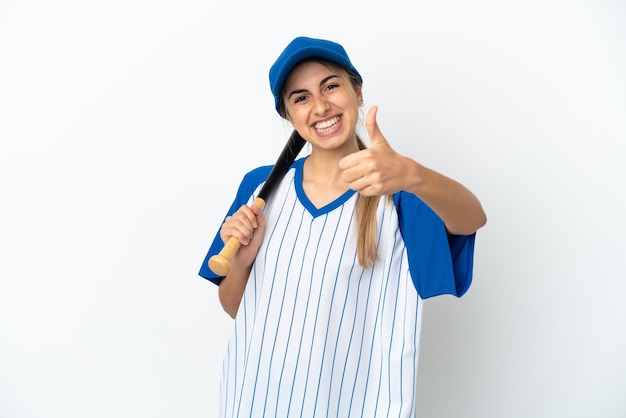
[(328, 286)]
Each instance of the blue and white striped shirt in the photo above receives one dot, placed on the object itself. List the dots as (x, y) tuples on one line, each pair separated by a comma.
[(316, 334)]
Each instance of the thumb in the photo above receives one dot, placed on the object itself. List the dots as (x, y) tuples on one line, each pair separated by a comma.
[(376, 137)]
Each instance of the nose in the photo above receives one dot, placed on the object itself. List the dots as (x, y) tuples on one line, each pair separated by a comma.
[(321, 105)]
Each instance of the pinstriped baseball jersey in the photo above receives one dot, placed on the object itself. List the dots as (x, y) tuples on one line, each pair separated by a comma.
[(316, 334)]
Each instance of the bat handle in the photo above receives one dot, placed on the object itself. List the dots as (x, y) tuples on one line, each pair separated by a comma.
[(220, 263)]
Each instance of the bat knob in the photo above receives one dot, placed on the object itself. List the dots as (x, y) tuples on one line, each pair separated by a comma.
[(219, 265)]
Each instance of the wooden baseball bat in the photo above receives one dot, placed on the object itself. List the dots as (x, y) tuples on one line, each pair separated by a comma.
[(220, 263)]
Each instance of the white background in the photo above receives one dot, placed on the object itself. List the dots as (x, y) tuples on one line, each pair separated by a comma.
[(126, 125)]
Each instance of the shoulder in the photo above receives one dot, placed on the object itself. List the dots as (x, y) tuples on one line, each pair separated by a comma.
[(415, 217), (252, 179), (408, 203), (258, 174), (248, 184), (255, 177)]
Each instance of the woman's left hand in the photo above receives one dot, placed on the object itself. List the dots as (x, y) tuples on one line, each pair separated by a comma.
[(377, 170)]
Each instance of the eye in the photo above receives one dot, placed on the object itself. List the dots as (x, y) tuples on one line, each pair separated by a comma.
[(330, 87), (299, 99)]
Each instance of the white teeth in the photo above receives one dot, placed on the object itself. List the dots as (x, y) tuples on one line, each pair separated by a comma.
[(324, 126)]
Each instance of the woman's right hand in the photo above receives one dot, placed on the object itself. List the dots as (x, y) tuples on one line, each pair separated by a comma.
[(247, 225)]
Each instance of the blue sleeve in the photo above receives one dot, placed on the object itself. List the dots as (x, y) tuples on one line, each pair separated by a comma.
[(247, 187), (440, 263)]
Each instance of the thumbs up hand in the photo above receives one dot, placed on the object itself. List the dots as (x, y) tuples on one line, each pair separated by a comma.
[(378, 170)]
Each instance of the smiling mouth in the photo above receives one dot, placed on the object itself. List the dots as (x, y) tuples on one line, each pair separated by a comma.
[(327, 125)]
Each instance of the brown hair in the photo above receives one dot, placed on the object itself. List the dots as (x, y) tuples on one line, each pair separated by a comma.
[(366, 206)]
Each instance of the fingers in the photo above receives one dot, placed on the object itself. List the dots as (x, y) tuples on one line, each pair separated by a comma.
[(357, 165), (242, 224), (378, 142), (372, 171), (376, 137)]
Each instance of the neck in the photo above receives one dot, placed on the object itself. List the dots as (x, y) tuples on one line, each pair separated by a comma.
[(321, 180), (322, 165), (323, 171)]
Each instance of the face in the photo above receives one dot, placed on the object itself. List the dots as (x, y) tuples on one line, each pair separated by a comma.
[(323, 106)]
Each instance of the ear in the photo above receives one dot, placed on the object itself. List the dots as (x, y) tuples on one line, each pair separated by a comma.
[(359, 97)]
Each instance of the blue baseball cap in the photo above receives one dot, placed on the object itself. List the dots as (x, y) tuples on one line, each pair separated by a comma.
[(300, 49)]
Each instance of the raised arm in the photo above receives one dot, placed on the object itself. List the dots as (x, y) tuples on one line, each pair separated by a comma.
[(379, 170)]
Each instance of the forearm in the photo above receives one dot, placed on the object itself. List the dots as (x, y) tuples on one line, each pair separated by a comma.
[(231, 289), (247, 225), (457, 206)]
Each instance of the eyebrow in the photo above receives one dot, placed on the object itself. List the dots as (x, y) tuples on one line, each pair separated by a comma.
[(324, 81)]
